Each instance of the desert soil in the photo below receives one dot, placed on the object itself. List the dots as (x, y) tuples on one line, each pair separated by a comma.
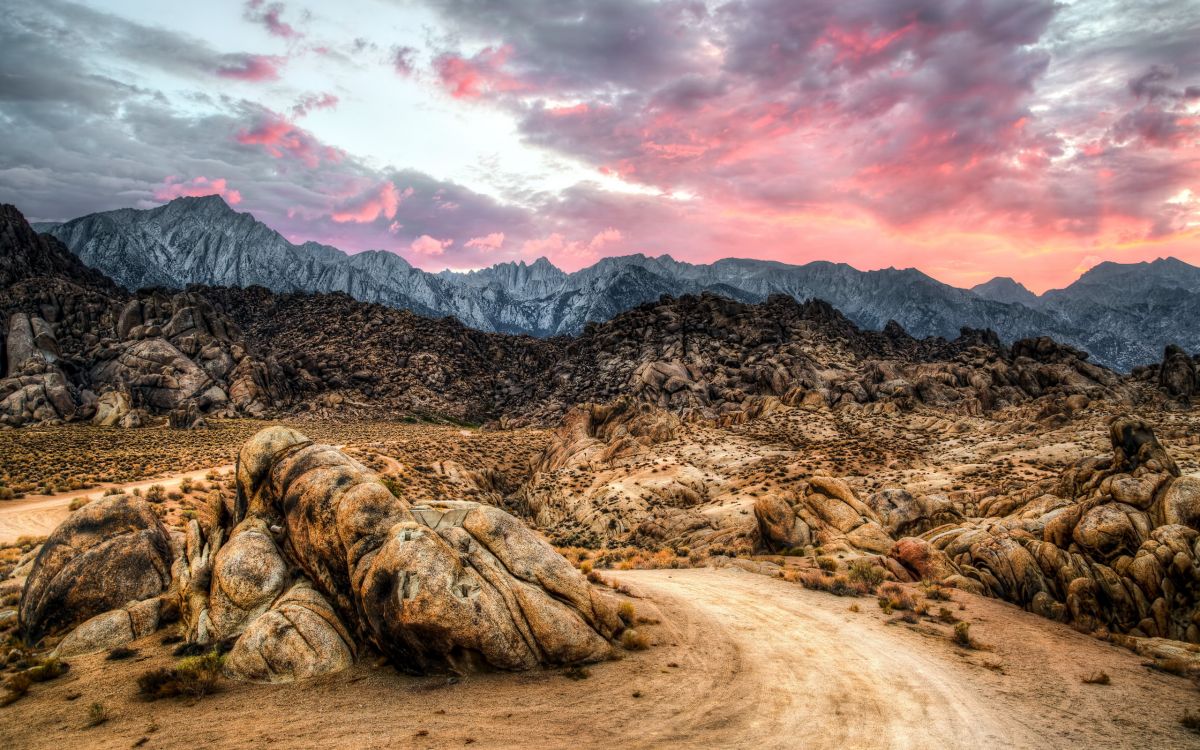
[(739, 660), (38, 515)]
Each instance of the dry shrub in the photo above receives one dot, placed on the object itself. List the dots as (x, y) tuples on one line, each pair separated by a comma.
[(50, 668), (839, 585), (1190, 721), (962, 637), (627, 613), (935, 591), (827, 564), (78, 503), (97, 715), (892, 597), (155, 493), (1176, 665), (866, 573), (121, 652), (1099, 677), (194, 677), (632, 640)]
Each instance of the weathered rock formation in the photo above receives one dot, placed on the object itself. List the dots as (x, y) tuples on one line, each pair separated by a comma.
[(1114, 543), (75, 346), (106, 554), (315, 558), (1178, 375)]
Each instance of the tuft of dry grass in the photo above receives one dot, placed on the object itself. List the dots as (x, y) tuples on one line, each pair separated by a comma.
[(1099, 677), (962, 637), (935, 591), (632, 640), (1190, 721), (576, 673), (866, 573), (50, 668), (97, 714), (627, 613), (893, 597), (121, 652), (1176, 665), (194, 677)]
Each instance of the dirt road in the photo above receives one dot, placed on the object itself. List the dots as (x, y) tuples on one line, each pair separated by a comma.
[(38, 515), (834, 679), (740, 660)]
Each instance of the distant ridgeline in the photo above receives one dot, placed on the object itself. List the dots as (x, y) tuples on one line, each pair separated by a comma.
[(79, 347), (1121, 315)]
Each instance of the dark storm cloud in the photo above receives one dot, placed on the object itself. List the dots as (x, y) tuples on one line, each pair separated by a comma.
[(585, 45)]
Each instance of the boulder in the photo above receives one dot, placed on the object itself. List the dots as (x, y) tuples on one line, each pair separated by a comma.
[(111, 629), (299, 637), (451, 586), (111, 407), (1180, 503), (109, 552), (777, 524)]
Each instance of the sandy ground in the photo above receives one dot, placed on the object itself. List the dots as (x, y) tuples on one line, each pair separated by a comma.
[(38, 515), (740, 660)]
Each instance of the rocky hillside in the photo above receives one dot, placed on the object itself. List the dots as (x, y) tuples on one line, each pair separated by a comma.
[(81, 348), (1123, 315), (78, 347)]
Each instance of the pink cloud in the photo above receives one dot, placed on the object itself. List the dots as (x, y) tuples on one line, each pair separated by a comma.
[(570, 253), (281, 138), (310, 102), (251, 68), (173, 188), (383, 201), (430, 246), (491, 241), (476, 76), (269, 16), (608, 236)]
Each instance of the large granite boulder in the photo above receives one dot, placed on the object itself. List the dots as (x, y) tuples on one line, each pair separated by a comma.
[(447, 586), (106, 554)]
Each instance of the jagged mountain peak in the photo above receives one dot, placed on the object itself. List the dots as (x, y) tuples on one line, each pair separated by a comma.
[(1122, 314), (1005, 289)]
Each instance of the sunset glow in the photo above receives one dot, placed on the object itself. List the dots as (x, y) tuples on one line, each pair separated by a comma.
[(970, 139)]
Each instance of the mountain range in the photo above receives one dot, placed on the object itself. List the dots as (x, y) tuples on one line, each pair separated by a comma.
[(1121, 314)]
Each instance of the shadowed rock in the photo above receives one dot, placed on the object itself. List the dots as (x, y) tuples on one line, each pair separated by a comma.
[(106, 554)]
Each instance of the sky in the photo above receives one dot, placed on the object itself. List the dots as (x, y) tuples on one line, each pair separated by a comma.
[(966, 138)]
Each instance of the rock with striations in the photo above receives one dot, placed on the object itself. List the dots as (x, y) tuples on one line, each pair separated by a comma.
[(106, 554), (315, 554), (454, 585), (1112, 544)]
